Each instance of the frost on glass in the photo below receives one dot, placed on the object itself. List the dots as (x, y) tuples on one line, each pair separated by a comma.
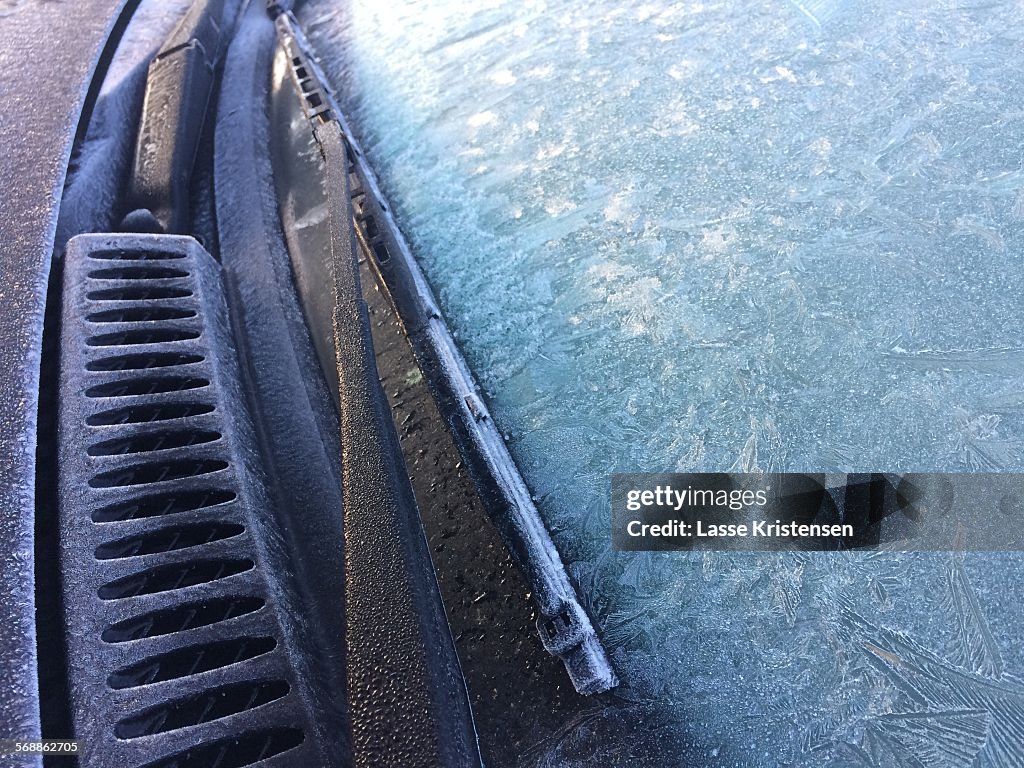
[(732, 236)]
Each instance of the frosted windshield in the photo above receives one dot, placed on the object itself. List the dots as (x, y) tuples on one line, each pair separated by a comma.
[(707, 236)]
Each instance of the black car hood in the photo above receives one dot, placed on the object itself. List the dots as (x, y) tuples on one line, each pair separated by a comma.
[(50, 53)]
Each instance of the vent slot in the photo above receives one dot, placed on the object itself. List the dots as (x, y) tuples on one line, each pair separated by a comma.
[(150, 442), (193, 660), (162, 504), (143, 361), (146, 414), (156, 472), (147, 336), (168, 578), (237, 752), (147, 386), (215, 704), (137, 273), (135, 255), (181, 618), (168, 540), (139, 293), (140, 315)]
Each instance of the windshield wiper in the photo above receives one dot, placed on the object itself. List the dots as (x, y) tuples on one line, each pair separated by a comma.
[(564, 627)]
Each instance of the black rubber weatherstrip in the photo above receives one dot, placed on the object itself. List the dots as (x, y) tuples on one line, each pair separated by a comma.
[(295, 421)]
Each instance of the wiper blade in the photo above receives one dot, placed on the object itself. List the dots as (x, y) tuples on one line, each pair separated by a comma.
[(564, 627)]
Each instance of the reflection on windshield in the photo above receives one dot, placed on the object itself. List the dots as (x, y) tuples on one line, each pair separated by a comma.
[(709, 236)]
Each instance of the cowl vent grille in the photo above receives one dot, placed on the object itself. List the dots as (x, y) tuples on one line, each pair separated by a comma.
[(178, 641)]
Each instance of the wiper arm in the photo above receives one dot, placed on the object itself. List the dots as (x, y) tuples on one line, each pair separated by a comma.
[(563, 624), (179, 84)]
